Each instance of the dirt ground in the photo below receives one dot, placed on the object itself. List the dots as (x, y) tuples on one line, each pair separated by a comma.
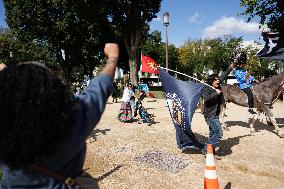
[(248, 160)]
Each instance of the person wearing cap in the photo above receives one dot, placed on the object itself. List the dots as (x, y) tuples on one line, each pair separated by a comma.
[(245, 80)]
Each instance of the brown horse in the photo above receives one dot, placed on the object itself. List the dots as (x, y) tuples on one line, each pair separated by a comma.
[(265, 94)]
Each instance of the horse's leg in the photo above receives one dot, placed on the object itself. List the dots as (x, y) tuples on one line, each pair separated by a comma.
[(255, 117), (268, 120), (223, 115), (263, 118), (273, 121), (222, 121)]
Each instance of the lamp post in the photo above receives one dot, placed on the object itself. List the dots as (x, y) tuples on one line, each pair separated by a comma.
[(11, 56), (166, 22)]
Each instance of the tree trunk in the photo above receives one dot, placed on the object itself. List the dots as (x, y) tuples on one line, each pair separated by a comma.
[(133, 69), (66, 65), (68, 71), (131, 42)]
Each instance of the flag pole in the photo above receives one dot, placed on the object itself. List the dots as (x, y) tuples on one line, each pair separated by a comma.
[(140, 65), (186, 76)]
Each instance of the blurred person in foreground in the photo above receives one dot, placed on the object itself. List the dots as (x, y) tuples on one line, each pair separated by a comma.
[(43, 128)]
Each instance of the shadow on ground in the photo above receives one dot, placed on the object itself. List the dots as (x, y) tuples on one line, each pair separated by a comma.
[(97, 132), (228, 185), (108, 173), (224, 146), (151, 100), (151, 108), (280, 120), (258, 125)]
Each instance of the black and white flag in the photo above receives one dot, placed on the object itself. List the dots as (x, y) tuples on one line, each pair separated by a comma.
[(273, 48)]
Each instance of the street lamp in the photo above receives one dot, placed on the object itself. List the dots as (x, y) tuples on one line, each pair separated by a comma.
[(166, 22), (11, 56)]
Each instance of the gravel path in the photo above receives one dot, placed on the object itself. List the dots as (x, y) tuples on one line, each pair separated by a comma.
[(132, 155)]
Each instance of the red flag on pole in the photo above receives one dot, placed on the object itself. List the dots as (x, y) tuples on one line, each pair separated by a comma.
[(149, 65)]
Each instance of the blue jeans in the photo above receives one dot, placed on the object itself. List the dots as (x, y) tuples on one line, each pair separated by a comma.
[(215, 130)]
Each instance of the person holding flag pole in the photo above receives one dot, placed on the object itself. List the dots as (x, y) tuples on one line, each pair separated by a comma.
[(182, 98), (213, 100)]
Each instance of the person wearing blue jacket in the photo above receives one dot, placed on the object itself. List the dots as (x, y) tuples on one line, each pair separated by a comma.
[(245, 80), (44, 127)]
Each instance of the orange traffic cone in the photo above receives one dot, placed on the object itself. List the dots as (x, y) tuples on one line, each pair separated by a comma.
[(210, 180)]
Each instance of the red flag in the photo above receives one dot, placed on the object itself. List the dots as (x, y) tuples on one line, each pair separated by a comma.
[(149, 65), (151, 95)]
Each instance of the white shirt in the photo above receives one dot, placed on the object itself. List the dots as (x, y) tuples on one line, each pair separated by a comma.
[(127, 94)]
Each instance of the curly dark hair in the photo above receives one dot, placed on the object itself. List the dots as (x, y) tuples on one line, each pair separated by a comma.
[(129, 84), (241, 58), (211, 78), (35, 114)]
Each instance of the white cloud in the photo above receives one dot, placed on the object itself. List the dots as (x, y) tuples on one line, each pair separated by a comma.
[(230, 25), (194, 18), (158, 19), (265, 28), (251, 43)]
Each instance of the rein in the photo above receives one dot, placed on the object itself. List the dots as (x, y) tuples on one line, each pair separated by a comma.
[(280, 91), (187, 76)]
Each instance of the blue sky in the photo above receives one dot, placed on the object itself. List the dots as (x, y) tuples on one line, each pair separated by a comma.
[(192, 19), (2, 15)]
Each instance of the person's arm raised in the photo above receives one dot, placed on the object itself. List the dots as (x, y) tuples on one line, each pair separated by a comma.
[(2, 66), (227, 72), (91, 103), (111, 50)]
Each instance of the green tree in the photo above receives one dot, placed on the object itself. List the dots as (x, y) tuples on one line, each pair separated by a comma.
[(214, 58), (271, 12), (198, 57), (13, 50), (219, 53), (7, 42), (173, 57), (78, 27), (130, 18), (152, 46), (188, 55), (259, 67)]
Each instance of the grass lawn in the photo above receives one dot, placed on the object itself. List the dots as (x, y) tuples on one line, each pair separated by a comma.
[(159, 94), (1, 175)]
